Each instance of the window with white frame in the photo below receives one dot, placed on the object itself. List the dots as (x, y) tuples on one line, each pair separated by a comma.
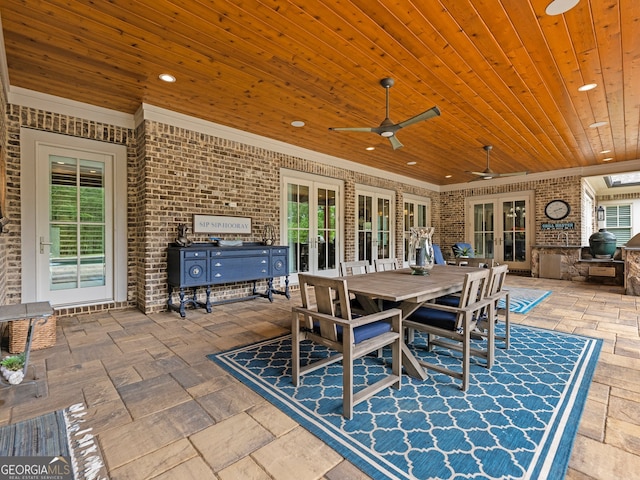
[(618, 222), (417, 213)]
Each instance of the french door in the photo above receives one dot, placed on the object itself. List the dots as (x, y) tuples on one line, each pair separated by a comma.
[(501, 228), (374, 225), (312, 208), (74, 219)]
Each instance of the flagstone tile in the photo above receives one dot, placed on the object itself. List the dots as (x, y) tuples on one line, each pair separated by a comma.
[(231, 440), (623, 435), (618, 328), (126, 443), (229, 401), (346, 471), (611, 463), (625, 409), (284, 458), (160, 366), (244, 468), (272, 418), (158, 462), (100, 392), (163, 389), (193, 468), (107, 415), (592, 423), (124, 376)]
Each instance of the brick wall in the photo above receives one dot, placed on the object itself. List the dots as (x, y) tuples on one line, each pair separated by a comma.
[(3, 165)]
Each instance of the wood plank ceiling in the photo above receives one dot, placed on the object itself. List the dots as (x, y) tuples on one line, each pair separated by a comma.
[(502, 72)]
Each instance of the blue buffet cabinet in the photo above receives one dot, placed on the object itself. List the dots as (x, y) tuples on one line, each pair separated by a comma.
[(205, 265)]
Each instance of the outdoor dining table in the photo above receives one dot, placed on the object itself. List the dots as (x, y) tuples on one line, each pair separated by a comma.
[(409, 292)]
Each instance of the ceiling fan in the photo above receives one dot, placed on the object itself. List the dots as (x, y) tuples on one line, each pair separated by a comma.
[(488, 174), (387, 128)]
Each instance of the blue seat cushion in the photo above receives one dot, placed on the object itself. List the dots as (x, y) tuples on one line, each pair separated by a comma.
[(438, 258), (434, 318), (360, 334), (449, 300)]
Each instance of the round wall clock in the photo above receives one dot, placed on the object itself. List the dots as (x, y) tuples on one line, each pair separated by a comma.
[(557, 209)]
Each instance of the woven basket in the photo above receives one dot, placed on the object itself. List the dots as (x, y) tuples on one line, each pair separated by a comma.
[(44, 336)]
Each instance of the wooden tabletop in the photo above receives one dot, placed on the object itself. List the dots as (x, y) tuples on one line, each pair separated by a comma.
[(401, 285)]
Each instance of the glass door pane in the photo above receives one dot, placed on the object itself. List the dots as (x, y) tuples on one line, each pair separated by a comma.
[(77, 254), (327, 234), (298, 227), (514, 231), (384, 228), (365, 228), (483, 230)]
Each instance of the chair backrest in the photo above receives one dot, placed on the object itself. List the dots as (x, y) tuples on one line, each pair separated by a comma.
[(474, 288), (460, 247), (331, 298), (477, 262), (438, 258), (383, 264), (497, 278), (357, 267)]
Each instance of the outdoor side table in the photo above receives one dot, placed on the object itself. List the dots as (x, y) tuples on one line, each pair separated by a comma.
[(34, 312)]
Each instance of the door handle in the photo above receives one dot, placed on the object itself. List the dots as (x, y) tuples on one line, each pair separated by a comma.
[(43, 243)]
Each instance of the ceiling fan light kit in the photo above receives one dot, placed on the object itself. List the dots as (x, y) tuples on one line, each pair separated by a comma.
[(387, 128)]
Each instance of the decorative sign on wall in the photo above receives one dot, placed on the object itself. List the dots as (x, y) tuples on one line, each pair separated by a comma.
[(559, 226), (220, 224)]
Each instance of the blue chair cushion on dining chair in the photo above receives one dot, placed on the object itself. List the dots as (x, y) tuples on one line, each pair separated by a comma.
[(438, 258), (449, 300), (435, 318), (360, 334)]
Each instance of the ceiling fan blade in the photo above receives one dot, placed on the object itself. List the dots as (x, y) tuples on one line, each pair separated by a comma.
[(513, 174), (481, 174), (395, 143), (432, 112), (354, 129)]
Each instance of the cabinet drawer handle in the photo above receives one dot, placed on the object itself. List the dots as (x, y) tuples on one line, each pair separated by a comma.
[(265, 251), (263, 261), (218, 275), (218, 253), (264, 271), (218, 264)]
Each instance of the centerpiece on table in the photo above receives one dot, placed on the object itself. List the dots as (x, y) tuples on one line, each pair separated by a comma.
[(421, 258)]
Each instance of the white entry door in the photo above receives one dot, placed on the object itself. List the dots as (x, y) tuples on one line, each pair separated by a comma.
[(374, 225), (74, 221)]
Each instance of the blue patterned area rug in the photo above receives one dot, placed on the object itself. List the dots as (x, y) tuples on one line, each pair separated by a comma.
[(522, 300), (59, 440), (516, 421)]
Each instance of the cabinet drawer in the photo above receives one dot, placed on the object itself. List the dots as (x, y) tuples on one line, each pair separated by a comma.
[(258, 252), (194, 272), (235, 269), (279, 266), (195, 254)]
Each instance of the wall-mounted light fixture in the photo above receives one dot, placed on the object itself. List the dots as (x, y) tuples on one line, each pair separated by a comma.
[(600, 213)]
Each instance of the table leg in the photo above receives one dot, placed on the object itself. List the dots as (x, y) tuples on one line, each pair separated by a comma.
[(411, 365)]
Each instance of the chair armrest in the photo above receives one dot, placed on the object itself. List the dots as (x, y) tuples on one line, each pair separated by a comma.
[(470, 308), (356, 322)]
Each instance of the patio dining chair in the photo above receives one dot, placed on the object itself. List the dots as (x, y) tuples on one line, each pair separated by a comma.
[(384, 264), (495, 292), (324, 321), (451, 326), (356, 267)]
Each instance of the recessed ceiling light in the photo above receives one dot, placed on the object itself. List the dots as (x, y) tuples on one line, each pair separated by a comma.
[(587, 87), (412, 163), (370, 148), (558, 7), (167, 77), (448, 176), (598, 124), (608, 159), (297, 123), (605, 151)]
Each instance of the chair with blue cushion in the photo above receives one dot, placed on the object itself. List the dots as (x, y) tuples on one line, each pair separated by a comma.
[(325, 318), (451, 326), (496, 291)]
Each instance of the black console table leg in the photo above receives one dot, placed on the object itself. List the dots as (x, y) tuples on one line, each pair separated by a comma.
[(183, 312), (208, 301)]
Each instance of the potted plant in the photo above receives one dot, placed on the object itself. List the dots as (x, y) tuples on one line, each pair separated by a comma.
[(12, 368), (464, 252)]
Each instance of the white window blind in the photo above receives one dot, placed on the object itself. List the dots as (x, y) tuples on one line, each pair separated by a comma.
[(618, 222)]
